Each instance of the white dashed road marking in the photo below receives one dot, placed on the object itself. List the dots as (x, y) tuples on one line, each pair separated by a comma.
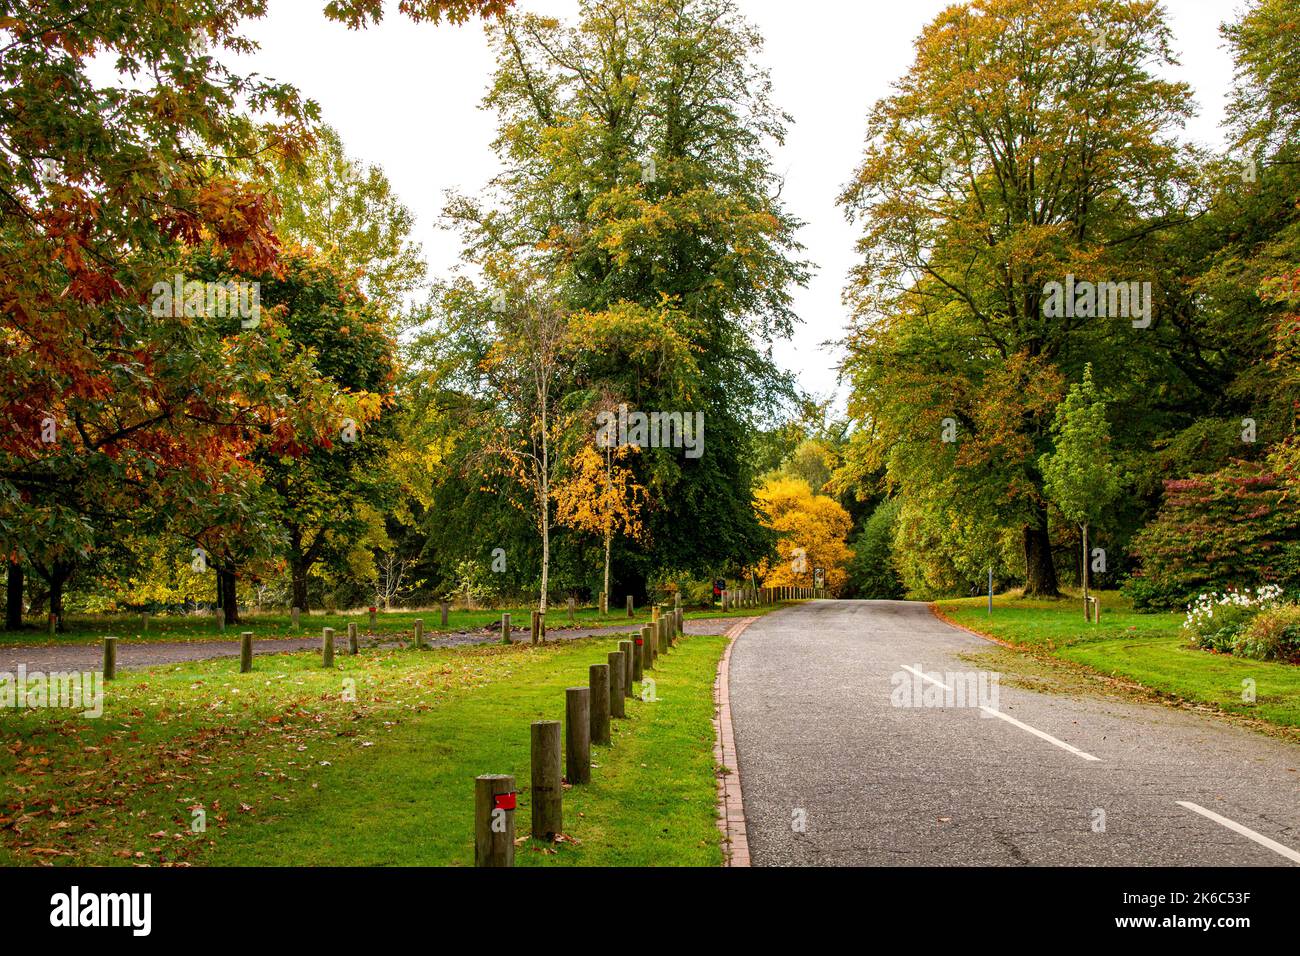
[(1011, 720), (1247, 832)]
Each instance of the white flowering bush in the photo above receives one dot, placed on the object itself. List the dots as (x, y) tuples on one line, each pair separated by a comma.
[(1215, 620)]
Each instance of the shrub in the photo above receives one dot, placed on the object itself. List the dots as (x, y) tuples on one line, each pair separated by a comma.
[(1235, 525), (1149, 595), (1272, 635), (1215, 621)]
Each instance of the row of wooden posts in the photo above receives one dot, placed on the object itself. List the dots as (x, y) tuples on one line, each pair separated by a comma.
[(588, 712), (733, 599)]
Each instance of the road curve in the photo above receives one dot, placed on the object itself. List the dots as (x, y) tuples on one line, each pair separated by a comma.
[(834, 772)]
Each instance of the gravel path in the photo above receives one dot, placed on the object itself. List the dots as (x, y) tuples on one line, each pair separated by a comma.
[(83, 657), (834, 773)]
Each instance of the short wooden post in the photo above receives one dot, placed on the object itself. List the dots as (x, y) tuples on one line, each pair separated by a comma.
[(725, 605), (353, 647), (505, 628), (647, 648), (638, 655), (598, 679), (577, 734), (547, 787), (570, 610), (681, 623), (443, 609), (535, 627), (110, 658), (616, 684), (494, 820), (373, 612), (626, 648), (245, 652), (630, 612), (327, 647), (293, 614), (419, 633)]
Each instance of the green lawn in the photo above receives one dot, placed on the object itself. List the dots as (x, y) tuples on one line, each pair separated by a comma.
[(1150, 649), (289, 772), (86, 629)]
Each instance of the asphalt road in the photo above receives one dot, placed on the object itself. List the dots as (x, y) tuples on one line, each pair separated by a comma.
[(834, 773)]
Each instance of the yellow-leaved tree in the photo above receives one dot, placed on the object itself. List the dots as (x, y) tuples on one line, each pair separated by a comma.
[(600, 496), (811, 533)]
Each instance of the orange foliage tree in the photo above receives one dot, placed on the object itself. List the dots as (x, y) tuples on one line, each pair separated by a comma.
[(811, 532)]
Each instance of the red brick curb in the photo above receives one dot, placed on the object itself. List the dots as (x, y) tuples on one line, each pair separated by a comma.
[(731, 807)]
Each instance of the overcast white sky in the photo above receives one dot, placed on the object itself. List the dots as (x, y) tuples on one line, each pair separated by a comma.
[(406, 97)]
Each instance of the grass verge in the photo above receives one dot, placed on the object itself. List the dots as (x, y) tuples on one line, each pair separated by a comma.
[(287, 771), (1149, 649)]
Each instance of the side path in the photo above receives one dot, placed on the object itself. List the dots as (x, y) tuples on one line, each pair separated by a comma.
[(89, 657)]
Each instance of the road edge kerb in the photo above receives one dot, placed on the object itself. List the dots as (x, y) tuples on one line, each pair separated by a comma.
[(731, 805)]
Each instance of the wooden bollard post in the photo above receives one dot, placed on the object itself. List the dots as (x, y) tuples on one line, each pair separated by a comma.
[(353, 648), (293, 615), (570, 610), (598, 679), (647, 647), (626, 648), (110, 658), (681, 623), (505, 628), (419, 633), (616, 684), (535, 627), (327, 647), (630, 612), (547, 787), (245, 652), (443, 609), (221, 620), (373, 612), (494, 820), (638, 656), (577, 734), (726, 606)]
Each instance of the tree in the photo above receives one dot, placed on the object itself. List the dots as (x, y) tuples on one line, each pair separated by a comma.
[(1029, 141), (347, 211), (638, 176), (810, 531), (600, 496), (1079, 475)]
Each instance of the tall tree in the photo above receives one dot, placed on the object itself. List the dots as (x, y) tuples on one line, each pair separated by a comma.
[(1029, 141), (636, 145)]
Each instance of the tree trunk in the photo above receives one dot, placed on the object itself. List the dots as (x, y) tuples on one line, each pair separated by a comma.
[(226, 590), (14, 597), (608, 537), (299, 574), (59, 574), (1040, 572), (1085, 571)]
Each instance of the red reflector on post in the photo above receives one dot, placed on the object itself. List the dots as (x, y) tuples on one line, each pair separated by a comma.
[(639, 642), (504, 801), (372, 610)]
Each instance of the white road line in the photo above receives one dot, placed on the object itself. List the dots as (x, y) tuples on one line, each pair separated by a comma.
[(1011, 720), (1038, 733), (1247, 832), (925, 676)]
